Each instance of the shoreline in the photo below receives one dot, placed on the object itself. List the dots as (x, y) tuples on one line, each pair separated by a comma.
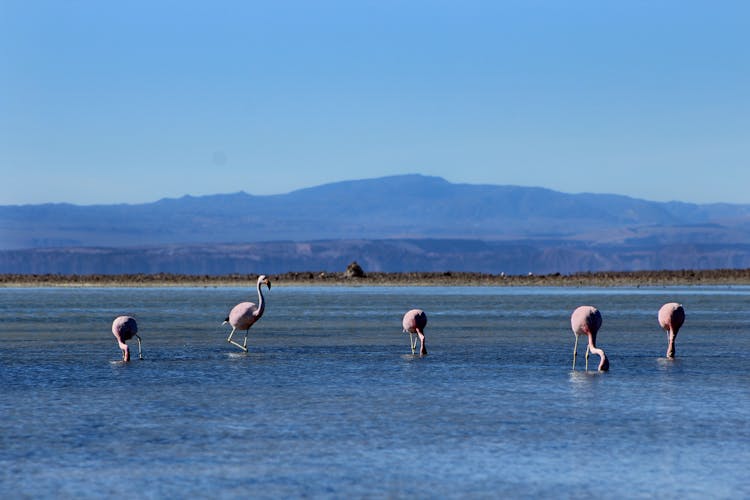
[(711, 277)]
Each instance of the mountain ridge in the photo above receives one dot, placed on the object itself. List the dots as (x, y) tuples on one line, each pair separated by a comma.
[(409, 205), (560, 232)]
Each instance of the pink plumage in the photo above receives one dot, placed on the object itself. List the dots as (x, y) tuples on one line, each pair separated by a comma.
[(414, 322), (586, 320), (245, 314), (125, 328), (671, 319)]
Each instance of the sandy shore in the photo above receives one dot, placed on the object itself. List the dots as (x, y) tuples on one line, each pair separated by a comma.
[(600, 279)]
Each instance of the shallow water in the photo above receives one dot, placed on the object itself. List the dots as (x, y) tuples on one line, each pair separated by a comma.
[(330, 402)]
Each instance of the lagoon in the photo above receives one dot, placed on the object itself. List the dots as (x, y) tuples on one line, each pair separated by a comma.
[(329, 402)]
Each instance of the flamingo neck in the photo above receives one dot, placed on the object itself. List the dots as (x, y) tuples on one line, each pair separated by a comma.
[(422, 348), (261, 303), (125, 351), (670, 346), (604, 362)]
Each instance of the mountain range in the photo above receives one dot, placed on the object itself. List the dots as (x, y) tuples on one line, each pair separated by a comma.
[(398, 223)]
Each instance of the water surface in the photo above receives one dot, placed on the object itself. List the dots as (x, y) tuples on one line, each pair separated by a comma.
[(330, 402)]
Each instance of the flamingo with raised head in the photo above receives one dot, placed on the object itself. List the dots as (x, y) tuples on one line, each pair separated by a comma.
[(125, 328), (245, 314), (414, 322), (671, 318), (586, 320)]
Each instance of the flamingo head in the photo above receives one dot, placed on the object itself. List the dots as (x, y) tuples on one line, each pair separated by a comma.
[(263, 280), (604, 363), (603, 359)]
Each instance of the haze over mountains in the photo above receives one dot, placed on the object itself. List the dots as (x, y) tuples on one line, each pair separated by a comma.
[(399, 223)]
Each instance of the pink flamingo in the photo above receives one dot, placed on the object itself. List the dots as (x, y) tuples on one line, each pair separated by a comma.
[(125, 328), (414, 322), (586, 320), (671, 318), (245, 314)]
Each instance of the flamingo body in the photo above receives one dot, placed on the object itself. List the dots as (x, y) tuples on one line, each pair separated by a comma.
[(125, 328), (671, 319), (414, 322), (586, 320), (245, 314)]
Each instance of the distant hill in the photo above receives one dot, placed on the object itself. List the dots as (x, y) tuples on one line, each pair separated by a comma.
[(408, 206), (399, 223)]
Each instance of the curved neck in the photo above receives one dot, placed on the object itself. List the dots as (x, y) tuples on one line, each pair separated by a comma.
[(422, 347), (261, 303), (604, 362), (670, 347)]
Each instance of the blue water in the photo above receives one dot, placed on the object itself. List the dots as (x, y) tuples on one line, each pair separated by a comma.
[(329, 402)]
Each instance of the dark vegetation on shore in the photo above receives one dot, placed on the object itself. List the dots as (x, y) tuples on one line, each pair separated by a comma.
[(598, 279)]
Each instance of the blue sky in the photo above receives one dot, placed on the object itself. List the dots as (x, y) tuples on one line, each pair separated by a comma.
[(110, 102)]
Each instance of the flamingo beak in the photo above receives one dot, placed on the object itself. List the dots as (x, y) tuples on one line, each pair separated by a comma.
[(268, 283)]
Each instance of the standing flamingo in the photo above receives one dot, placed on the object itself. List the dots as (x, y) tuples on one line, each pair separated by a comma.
[(245, 314), (671, 318), (125, 328), (586, 320), (414, 322)]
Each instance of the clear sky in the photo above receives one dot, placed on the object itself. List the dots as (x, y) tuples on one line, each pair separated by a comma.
[(108, 102)]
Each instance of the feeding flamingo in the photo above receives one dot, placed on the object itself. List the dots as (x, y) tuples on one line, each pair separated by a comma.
[(671, 318), (414, 322), (245, 314), (125, 328), (586, 320)]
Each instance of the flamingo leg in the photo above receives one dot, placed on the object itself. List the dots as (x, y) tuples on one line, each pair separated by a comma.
[(229, 339), (244, 343), (238, 345), (587, 357), (140, 356), (575, 351), (412, 343)]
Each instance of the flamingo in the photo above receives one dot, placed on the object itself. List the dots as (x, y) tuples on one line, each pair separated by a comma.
[(586, 320), (245, 314), (125, 328), (671, 318), (414, 322)]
